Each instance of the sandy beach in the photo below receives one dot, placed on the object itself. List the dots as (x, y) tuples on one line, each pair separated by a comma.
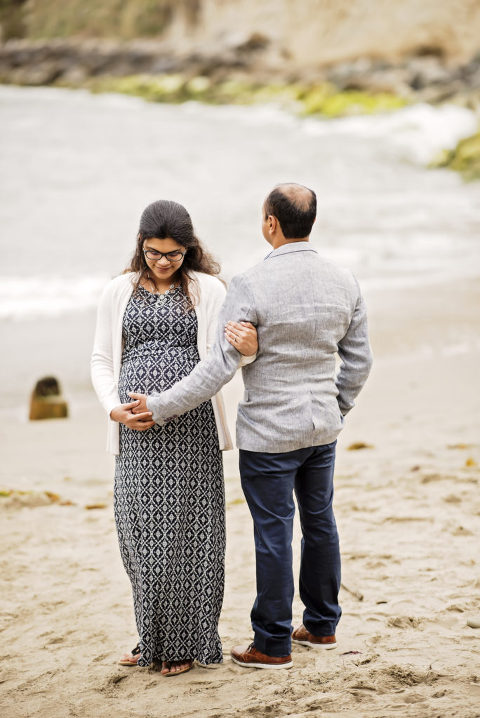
[(408, 510)]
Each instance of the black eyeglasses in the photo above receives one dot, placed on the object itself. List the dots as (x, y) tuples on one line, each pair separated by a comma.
[(155, 256)]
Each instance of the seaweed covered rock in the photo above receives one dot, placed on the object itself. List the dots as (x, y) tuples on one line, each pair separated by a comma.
[(47, 401), (465, 158)]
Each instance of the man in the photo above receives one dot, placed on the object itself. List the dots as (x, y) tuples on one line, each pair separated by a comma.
[(306, 311)]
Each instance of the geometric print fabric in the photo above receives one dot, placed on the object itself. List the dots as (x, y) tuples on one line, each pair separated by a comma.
[(169, 493)]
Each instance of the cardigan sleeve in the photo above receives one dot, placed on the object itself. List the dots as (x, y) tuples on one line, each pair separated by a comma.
[(215, 299), (102, 373)]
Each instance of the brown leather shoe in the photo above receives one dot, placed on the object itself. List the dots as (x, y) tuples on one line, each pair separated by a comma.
[(305, 638), (250, 657)]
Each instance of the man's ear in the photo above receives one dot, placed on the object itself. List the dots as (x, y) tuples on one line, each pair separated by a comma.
[(272, 223)]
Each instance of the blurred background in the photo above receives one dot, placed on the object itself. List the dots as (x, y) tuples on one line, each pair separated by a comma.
[(108, 105), (354, 99)]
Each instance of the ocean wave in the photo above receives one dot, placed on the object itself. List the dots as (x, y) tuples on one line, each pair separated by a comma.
[(419, 130), (34, 297), (416, 133)]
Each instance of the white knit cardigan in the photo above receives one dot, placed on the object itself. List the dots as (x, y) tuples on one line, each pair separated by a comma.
[(107, 350)]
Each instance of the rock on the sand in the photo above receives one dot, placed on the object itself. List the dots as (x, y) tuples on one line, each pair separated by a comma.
[(47, 401)]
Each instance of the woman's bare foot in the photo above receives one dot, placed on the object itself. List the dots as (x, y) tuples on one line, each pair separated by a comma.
[(175, 668)]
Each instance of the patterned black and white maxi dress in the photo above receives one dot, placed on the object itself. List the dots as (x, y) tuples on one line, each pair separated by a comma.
[(169, 492)]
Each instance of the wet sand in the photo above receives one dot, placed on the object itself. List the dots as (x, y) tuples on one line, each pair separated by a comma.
[(407, 508)]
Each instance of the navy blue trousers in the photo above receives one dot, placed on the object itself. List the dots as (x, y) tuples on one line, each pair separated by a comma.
[(268, 482)]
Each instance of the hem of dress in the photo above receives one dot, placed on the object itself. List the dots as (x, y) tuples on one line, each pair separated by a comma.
[(205, 664)]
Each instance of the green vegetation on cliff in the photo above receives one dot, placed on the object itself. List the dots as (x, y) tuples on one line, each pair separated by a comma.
[(323, 100)]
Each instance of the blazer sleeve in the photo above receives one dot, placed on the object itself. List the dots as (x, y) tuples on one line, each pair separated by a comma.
[(101, 365), (355, 357), (209, 375), (214, 309)]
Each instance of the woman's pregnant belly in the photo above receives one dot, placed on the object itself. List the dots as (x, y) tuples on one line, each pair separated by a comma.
[(145, 373)]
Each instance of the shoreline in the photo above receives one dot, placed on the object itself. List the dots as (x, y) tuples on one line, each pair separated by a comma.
[(417, 333), (240, 74)]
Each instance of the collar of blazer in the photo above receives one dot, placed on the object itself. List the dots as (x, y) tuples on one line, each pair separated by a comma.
[(291, 247)]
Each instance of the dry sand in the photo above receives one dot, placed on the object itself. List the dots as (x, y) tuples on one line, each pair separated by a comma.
[(408, 512)]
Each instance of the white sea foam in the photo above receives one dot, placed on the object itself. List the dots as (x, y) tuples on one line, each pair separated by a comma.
[(420, 128), (35, 297), (415, 133)]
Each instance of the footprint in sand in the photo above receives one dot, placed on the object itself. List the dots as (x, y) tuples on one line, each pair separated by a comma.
[(404, 622), (461, 531), (474, 622), (101, 657)]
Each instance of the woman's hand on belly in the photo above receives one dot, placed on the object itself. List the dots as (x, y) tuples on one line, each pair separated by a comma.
[(139, 422)]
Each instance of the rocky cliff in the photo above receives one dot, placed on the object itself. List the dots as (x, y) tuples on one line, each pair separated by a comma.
[(300, 33)]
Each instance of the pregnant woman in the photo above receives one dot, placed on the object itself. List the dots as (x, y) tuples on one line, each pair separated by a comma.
[(155, 322)]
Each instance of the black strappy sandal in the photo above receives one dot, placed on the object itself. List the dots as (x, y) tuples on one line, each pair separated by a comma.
[(130, 659), (187, 667)]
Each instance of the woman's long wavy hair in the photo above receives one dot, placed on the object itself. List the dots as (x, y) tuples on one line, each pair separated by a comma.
[(166, 219)]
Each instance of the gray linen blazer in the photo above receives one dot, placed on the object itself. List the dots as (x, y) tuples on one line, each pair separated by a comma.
[(306, 311)]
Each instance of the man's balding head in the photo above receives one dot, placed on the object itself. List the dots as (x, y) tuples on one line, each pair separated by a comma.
[(295, 208)]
